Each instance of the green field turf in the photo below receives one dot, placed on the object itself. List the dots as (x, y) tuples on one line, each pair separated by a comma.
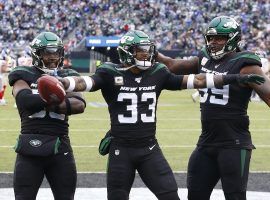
[(177, 132)]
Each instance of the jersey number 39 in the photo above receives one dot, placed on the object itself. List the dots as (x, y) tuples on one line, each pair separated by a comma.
[(215, 96)]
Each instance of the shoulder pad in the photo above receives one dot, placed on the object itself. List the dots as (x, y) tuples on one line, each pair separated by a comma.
[(248, 58), (22, 73), (157, 66), (67, 72), (109, 68)]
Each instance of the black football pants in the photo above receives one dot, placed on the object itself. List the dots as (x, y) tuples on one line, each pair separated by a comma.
[(60, 171), (151, 166), (209, 164)]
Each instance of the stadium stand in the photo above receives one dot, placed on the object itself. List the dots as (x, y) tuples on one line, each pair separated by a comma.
[(173, 24)]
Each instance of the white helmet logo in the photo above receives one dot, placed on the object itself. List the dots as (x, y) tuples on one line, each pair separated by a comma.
[(126, 38), (231, 24)]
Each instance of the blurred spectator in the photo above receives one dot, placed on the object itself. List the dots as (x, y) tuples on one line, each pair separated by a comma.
[(67, 62), (25, 59), (3, 68), (173, 24)]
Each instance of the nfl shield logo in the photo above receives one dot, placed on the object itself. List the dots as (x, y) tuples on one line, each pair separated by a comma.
[(204, 61), (118, 80), (117, 152)]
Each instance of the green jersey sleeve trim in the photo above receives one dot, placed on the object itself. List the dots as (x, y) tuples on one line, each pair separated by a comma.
[(110, 67), (22, 68), (157, 67), (204, 52), (67, 72), (250, 56)]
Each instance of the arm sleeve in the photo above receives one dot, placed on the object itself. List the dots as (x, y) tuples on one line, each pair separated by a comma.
[(172, 82), (32, 102), (99, 79)]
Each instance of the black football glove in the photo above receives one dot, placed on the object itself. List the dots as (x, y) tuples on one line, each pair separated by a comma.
[(250, 78)]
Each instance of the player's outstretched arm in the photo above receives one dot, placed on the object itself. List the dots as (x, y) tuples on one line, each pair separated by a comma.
[(74, 103), (77, 84), (262, 90), (179, 66), (210, 80)]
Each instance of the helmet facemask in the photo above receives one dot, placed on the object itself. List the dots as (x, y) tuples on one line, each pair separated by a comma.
[(136, 51), (51, 57)]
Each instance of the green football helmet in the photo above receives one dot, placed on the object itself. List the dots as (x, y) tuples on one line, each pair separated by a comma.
[(223, 26), (129, 44), (47, 43)]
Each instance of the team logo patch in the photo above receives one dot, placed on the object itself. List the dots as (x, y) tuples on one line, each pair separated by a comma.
[(117, 152), (118, 80), (35, 143), (204, 61)]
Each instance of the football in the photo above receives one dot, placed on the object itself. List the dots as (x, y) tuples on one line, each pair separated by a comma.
[(51, 90)]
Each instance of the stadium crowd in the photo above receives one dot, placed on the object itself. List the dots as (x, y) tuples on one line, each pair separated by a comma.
[(173, 24)]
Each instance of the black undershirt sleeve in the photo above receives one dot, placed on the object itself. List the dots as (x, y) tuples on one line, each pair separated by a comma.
[(32, 102), (173, 82), (98, 82)]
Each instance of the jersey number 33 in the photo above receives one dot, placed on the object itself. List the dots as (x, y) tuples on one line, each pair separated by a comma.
[(132, 108)]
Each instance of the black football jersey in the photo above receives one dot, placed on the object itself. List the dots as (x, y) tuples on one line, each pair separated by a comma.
[(229, 103), (42, 122), (132, 98)]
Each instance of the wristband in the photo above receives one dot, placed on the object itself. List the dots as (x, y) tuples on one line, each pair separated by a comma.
[(190, 81), (210, 80), (72, 84), (88, 82)]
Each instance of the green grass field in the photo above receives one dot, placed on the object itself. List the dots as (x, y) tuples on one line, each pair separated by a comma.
[(177, 132)]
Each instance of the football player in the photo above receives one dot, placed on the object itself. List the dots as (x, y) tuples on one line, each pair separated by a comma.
[(131, 90), (224, 147), (44, 126)]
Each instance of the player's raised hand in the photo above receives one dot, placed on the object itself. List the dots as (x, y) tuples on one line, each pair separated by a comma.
[(251, 78)]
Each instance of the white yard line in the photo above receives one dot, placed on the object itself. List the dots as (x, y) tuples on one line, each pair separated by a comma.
[(159, 119), (158, 130), (162, 146), (135, 194)]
